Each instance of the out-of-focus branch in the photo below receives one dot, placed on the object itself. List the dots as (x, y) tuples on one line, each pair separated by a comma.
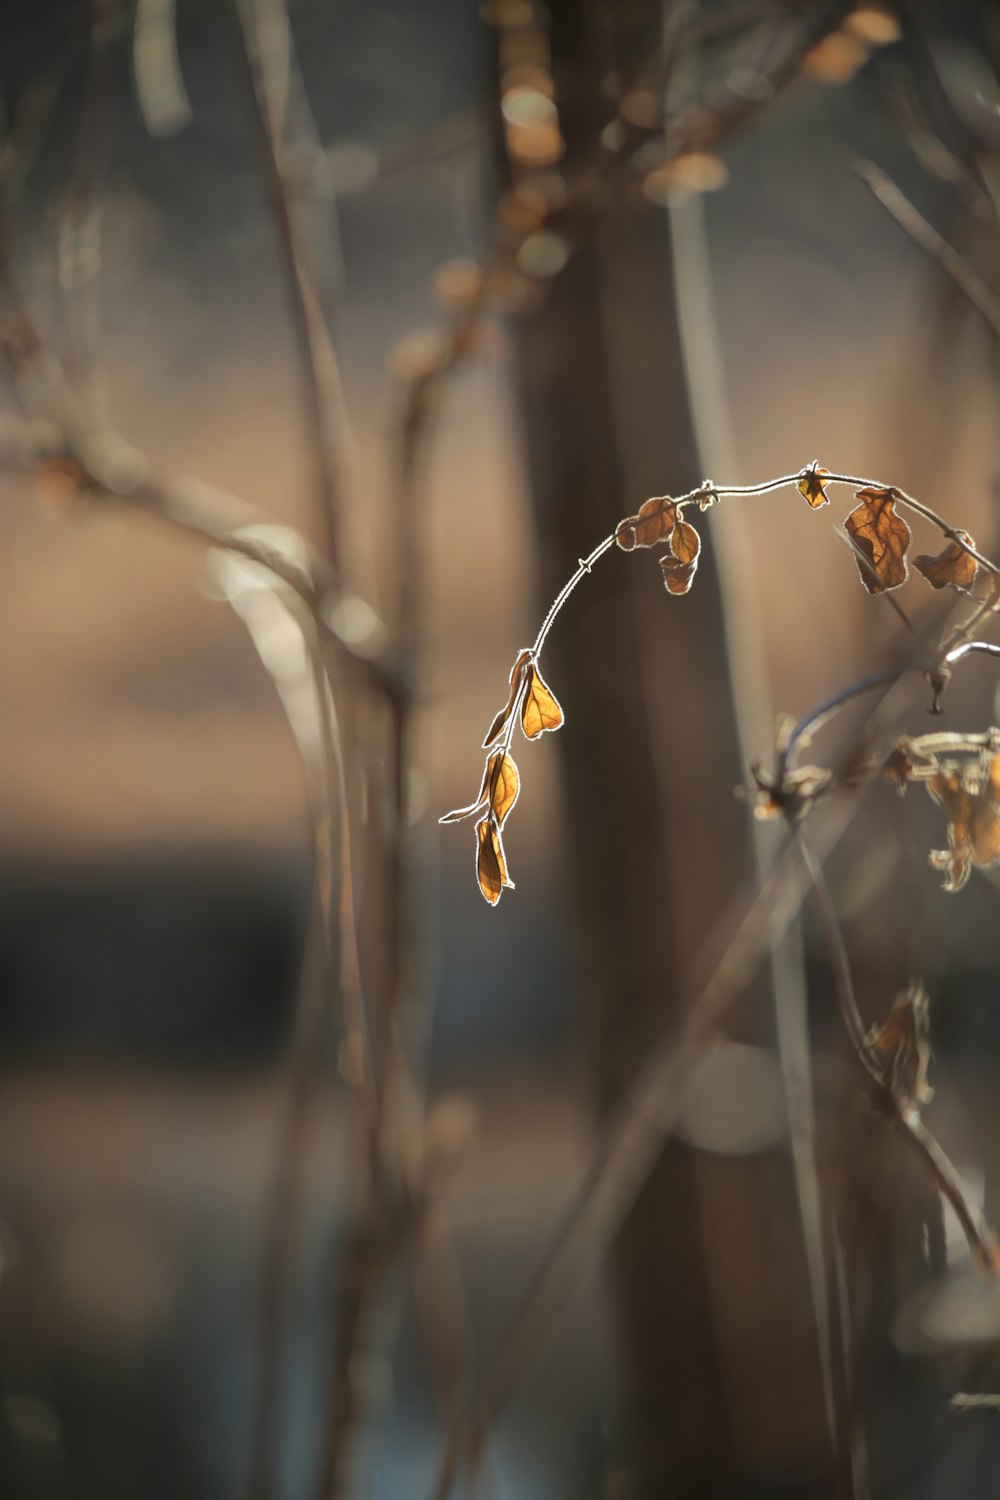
[(260, 24), (904, 1120), (384, 1218), (926, 236), (628, 1148), (78, 246)]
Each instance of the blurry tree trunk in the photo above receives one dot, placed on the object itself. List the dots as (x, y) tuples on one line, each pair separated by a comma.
[(723, 1381)]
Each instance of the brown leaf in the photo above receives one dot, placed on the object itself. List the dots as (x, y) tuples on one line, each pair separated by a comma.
[(953, 568), (539, 709), (902, 1048), (973, 823), (813, 487), (653, 523), (681, 563), (897, 768), (500, 722), (499, 789), (504, 784), (473, 807), (984, 832), (491, 865), (881, 537), (956, 864)]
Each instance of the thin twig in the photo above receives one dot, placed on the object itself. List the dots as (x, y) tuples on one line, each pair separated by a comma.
[(710, 493), (628, 1148), (384, 1229), (817, 717), (926, 236), (840, 962), (318, 359), (645, 1120), (78, 249), (904, 1121)]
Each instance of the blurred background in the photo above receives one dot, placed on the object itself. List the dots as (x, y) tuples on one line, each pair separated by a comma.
[(156, 850)]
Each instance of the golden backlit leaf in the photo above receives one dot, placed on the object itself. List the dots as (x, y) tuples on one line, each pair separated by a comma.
[(481, 801), (813, 486), (504, 785), (499, 790), (540, 711), (458, 814), (881, 538), (681, 563), (953, 568), (500, 722), (491, 865), (653, 523)]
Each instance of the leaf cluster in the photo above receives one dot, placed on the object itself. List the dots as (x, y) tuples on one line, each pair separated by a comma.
[(532, 704)]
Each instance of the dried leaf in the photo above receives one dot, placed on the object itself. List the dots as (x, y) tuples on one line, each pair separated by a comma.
[(984, 832), (504, 785), (897, 769), (953, 568), (813, 487), (956, 864), (902, 1048), (973, 822), (653, 523), (473, 807), (790, 797), (500, 722), (881, 537), (499, 790), (491, 865), (539, 709), (681, 564)]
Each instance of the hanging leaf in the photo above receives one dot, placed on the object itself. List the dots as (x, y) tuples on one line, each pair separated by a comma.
[(491, 865), (953, 568), (681, 564), (504, 785), (973, 822), (473, 807), (653, 523), (881, 538), (540, 711), (813, 487), (499, 790), (500, 722)]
